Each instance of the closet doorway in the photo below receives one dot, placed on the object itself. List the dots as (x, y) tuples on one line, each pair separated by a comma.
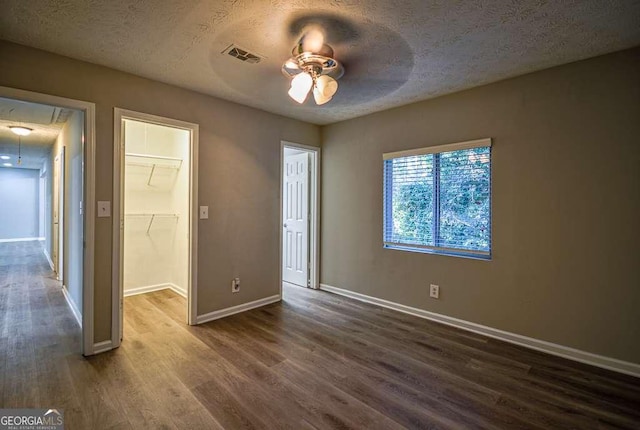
[(156, 216)]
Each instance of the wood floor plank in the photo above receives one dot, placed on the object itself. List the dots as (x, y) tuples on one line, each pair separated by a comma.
[(517, 395), (500, 378), (383, 392), (314, 361)]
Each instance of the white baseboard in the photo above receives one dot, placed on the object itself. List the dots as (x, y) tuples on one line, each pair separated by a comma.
[(156, 287), (237, 309), (21, 239), (72, 305), (178, 290), (104, 346), (528, 342), (48, 257)]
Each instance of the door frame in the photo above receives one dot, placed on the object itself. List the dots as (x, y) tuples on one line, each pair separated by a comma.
[(314, 209), (89, 189), (59, 195), (118, 217)]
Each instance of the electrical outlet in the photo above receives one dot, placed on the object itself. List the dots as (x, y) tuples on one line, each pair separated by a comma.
[(434, 291), (235, 285)]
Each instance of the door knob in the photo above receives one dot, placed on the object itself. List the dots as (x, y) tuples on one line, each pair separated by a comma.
[(284, 225)]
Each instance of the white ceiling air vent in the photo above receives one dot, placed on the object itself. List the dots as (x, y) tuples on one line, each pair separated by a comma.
[(243, 54)]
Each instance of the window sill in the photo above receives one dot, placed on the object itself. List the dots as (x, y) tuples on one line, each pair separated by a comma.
[(447, 253)]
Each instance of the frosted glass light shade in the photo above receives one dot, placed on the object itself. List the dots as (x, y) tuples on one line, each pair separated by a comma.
[(319, 97), (300, 86), (21, 131), (324, 89)]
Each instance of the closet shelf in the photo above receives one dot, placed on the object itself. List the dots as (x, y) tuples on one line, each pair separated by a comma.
[(153, 161), (153, 216)]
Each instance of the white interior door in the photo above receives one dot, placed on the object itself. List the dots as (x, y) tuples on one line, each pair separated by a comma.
[(295, 215)]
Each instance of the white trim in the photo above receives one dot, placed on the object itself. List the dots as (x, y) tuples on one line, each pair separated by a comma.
[(439, 250), (157, 287), (104, 346), (179, 290), (237, 309), (479, 143), (72, 305), (517, 339), (145, 289), (314, 200), (117, 293), (89, 186), (48, 257), (21, 239)]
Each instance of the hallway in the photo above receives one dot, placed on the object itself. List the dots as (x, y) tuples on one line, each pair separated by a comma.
[(38, 332)]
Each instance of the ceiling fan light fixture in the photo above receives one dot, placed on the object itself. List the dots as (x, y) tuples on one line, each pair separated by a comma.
[(324, 89), (300, 86), (327, 85), (313, 69), (21, 131), (320, 98)]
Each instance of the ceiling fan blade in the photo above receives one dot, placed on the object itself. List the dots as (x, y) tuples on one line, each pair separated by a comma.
[(313, 39), (336, 29)]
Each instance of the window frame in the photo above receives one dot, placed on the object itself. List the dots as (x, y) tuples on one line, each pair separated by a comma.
[(387, 218)]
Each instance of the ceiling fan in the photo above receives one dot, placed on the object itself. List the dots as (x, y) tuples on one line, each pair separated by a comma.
[(313, 69)]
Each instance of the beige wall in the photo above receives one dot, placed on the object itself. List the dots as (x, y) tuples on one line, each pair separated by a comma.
[(566, 206), (239, 171), (565, 188)]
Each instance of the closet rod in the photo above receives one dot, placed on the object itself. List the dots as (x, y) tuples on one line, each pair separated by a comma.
[(158, 157), (153, 217), (153, 169), (152, 214)]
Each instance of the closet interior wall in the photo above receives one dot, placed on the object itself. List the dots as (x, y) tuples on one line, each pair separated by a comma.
[(156, 206)]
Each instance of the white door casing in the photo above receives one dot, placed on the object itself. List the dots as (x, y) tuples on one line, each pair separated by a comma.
[(118, 210), (295, 215), (89, 109), (55, 203), (58, 214)]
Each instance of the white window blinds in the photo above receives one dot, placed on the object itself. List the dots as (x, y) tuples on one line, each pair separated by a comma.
[(439, 199)]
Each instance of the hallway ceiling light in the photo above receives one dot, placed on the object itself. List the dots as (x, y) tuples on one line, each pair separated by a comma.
[(5, 157), (313, 69), (7, 164), (21, 131)]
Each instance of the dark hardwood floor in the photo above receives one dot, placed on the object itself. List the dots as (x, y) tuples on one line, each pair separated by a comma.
[(313, 361)]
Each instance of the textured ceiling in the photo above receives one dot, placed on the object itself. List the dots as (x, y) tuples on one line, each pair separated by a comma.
[(46, 123), (395, 52)]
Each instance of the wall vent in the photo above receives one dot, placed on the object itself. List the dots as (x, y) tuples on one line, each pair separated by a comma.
[(243, 54), (60, 115)]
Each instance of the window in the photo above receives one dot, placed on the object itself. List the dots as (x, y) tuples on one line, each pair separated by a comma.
[(438, 199)]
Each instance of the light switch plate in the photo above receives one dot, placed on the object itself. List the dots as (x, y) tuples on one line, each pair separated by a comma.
[(104, 209), (204, 212)]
